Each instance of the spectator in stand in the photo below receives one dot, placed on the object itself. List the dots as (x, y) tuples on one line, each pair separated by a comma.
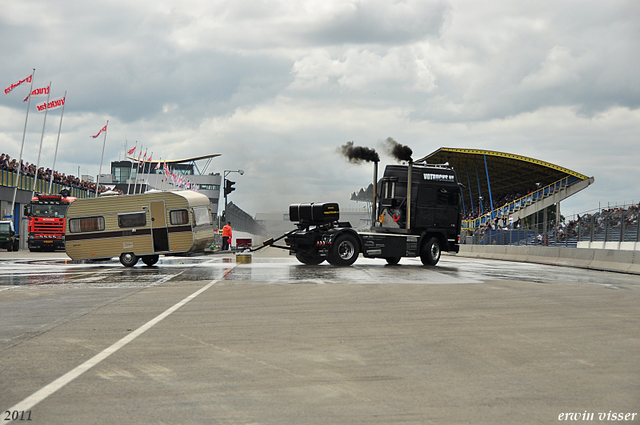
[(9, 164)]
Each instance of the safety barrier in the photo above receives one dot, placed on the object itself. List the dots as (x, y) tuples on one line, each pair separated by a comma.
[(593, 259)]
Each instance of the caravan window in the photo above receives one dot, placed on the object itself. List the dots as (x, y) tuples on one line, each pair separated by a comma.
[(132, 220), (179, 217), (86, 224), (202, 215)]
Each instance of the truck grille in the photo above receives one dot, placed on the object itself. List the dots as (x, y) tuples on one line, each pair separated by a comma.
[(48, 227)]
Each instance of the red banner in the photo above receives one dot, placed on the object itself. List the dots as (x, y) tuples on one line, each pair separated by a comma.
[(53, 104), (16, 84), (101, 130)]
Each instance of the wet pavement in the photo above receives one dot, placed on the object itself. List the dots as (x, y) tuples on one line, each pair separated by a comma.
[(207, 340), (57, 269)]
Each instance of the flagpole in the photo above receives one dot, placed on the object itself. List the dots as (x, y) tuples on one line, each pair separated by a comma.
[(55, 154), (24, 132), (131, 172), (144, 167), (150, 166), (44, 122), (138, 174), (101, 157), (137, 170)]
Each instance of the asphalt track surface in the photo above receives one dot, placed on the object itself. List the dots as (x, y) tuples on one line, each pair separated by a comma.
[(207, 341)]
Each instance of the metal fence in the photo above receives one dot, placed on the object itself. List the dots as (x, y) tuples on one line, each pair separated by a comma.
[(618, 225), (10, 179)]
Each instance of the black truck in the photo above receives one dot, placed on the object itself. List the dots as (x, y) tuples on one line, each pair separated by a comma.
[(422, 221)]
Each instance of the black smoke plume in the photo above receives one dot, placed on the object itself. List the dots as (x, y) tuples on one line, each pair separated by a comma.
[(357, 154), (398, 151)]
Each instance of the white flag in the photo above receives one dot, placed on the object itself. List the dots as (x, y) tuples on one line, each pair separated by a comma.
[(53, 104), (42, 91)]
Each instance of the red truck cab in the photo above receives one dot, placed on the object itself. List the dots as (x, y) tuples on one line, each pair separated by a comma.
[(47, 221)]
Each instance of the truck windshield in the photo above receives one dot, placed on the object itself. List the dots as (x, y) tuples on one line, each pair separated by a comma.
[(49, 210), (4, 228)]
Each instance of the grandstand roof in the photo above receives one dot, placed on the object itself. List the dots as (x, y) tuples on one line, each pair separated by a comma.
[(174, 161), (508, 173)]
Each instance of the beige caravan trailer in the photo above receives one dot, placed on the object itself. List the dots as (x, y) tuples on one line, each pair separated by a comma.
[(139, 226)]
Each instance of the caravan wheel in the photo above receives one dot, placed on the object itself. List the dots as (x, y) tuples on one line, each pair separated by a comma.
[(128, 259)]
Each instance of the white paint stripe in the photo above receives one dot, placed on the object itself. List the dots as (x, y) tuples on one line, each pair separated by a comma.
[(35, 398)]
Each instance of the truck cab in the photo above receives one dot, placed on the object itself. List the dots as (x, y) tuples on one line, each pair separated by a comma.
[(47, 221), (427, 217), (434, 201), (417, 213)]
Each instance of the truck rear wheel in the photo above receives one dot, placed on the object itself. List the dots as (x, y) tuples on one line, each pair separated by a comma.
[(430, 252), (309, 260), (344, 251), (128, 259), (150, 260)]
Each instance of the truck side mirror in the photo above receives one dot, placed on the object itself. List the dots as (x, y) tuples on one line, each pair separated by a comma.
[(27, 210)]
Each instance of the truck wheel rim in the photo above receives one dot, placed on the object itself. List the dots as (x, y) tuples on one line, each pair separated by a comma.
[(435, 251), (346, 250)]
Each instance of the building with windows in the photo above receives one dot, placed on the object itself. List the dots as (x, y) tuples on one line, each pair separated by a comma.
[(138, 176)]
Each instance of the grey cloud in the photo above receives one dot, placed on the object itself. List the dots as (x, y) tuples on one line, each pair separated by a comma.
[(386, 23)]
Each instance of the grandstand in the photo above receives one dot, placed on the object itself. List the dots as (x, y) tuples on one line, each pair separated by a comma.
[(504, 187)]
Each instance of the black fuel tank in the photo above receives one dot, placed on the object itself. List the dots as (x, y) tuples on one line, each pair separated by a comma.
[(314, 214)]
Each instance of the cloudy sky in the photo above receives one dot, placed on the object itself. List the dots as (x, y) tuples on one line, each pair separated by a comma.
[(277, 86)]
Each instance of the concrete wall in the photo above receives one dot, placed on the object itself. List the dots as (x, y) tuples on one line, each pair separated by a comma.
[(594, 259)]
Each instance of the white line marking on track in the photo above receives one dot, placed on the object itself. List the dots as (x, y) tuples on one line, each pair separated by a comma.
[(35, 398)]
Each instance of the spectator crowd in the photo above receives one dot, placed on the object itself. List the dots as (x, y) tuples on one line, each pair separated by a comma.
[(26, 169), (613, 217)]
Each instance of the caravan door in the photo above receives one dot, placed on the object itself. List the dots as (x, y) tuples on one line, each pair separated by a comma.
[(159, 231)]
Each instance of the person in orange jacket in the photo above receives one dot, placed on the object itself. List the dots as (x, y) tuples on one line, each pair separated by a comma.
[(226, 236)]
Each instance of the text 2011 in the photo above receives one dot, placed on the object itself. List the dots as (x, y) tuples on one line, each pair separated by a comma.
[(17, 415)]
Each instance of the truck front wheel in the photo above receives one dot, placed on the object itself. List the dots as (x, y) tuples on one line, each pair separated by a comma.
[(430, 252), (128, 259), (344, 251)]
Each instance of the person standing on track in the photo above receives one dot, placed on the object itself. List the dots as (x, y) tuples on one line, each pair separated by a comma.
[(226, 236)]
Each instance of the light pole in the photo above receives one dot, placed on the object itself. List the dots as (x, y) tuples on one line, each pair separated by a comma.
[(227, 188)]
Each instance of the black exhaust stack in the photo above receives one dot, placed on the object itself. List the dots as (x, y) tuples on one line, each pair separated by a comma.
[(374, 215), (410, 174)]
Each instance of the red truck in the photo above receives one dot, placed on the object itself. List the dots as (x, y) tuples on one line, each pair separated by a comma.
[(47, 221)]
